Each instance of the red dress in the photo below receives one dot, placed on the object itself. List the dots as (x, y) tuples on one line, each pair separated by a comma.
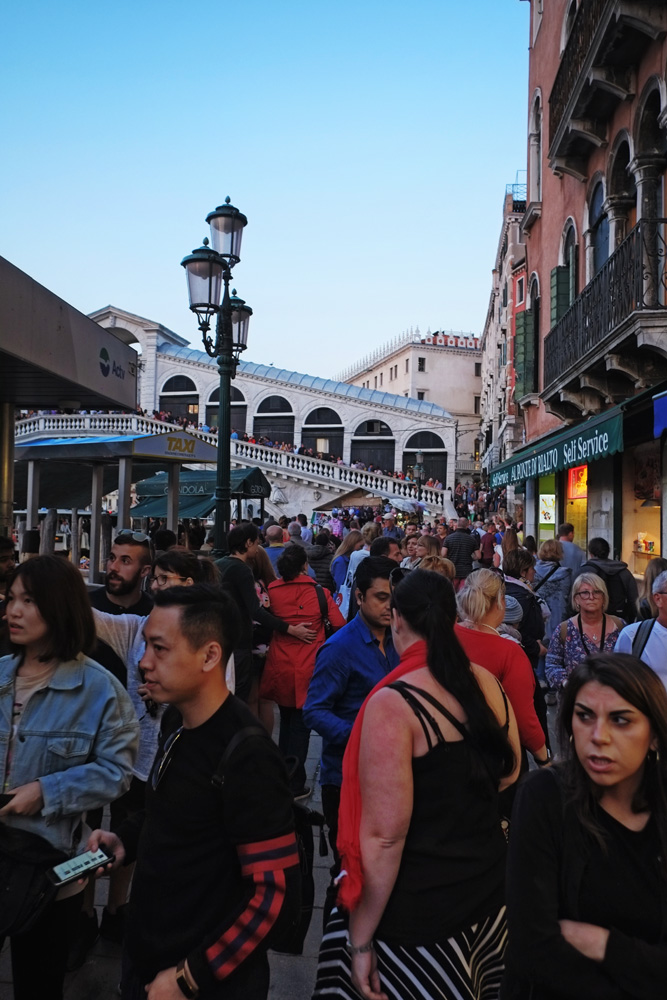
[(289, 661)]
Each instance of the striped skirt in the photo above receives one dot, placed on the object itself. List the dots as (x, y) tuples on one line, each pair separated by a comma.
[(467, 966)]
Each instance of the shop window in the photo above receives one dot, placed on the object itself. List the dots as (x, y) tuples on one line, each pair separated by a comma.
[(577, 503)]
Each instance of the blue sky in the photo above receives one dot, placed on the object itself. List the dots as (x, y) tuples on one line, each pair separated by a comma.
[(369, 143)]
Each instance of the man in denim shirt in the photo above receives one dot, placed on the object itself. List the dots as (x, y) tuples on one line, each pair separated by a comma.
[(347, 668)]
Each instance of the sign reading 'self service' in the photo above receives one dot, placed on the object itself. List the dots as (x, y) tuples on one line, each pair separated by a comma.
[(585, 443)]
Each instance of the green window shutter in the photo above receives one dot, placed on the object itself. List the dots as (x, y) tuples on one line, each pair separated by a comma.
[(520, 355), (560, 293), (530, 377)]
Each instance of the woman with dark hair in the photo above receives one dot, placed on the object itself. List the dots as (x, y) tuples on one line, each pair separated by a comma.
[(587, 874), (68, 739), (519, 573), (290, 662), (320, 554), (178, 567), (421, 906)]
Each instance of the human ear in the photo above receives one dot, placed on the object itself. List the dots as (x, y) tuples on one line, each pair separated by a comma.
[(212, 656), (357, 596)]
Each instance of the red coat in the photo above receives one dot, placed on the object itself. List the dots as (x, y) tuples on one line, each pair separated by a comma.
[(289, 661)]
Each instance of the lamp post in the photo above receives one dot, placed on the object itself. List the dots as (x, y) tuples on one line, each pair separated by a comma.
[(208, 271), (419, 474)]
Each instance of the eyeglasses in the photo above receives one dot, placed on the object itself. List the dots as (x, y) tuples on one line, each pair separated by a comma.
[(589, 594), (127, 537), (161, 766), (162, 580)]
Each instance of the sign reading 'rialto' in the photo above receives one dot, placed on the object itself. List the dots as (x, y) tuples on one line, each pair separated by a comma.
[(586, 443)]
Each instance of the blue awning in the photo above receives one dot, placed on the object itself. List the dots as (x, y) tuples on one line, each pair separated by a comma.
[(659, 414)]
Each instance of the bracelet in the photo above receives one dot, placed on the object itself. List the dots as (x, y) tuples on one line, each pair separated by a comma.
[(543, 763), (185, 982), (363, 949)]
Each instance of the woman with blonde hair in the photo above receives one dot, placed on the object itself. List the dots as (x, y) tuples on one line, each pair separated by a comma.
[(590, 630), (646, 605), (352, 542), (481, 604), (438, 564), (427, 545)]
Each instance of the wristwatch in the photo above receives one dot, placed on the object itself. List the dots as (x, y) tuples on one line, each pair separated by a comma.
[(185, 983)]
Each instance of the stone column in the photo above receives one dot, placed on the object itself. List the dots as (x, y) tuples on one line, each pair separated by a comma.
[(124, 488), (7, 419), (617, 207), (647, 169)]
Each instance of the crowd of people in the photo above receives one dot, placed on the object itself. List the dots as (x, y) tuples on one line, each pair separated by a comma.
[(424, 656)]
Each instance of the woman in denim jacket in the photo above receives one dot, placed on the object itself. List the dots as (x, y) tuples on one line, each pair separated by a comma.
[(68, 739)]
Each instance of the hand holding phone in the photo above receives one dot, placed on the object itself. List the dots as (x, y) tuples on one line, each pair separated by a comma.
[(79, 866)]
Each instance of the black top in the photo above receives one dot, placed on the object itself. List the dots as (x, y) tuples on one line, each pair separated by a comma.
[(452, 871), (460, 546), (187, 886), (237, 578), (554, 869), (103, 653)]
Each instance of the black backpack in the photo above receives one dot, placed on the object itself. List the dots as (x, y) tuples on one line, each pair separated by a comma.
[(619, 603), (289, 937)]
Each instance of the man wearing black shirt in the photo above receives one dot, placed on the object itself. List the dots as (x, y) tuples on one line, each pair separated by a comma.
[(216, 867), (462, 547)]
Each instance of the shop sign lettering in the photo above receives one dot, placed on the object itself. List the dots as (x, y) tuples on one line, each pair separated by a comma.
[(176, 444), (584, 445)]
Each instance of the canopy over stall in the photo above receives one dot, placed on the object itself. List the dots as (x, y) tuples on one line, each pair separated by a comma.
[(197, 492)]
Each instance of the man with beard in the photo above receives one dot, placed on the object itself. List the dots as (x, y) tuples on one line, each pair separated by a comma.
[(127, 567)]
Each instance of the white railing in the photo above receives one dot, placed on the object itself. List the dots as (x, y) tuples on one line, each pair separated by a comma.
[(314, 470)]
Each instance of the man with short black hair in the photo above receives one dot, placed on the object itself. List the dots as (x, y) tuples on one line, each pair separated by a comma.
[(347, 668), (386, 546), (621, 584), (573, 556), (217, 863), (462, 547)]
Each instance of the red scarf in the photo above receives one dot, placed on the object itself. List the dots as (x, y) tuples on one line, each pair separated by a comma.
[(349, 815)]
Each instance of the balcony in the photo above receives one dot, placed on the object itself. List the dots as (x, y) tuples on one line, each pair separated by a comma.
[(590, 355), (607, 40)]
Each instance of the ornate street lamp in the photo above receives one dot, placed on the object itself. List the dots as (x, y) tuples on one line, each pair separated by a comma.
[(207, 270), (419, 474)]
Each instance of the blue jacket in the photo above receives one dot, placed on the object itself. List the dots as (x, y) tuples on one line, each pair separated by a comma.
[(78, 736), (347, 669)]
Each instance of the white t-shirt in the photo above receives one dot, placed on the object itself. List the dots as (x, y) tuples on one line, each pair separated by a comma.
[(655, 650)]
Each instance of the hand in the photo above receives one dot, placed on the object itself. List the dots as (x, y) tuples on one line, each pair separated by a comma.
[(27, 800), (113, 844), (590, 940), (365, 976), (303, 632), (164, 986)]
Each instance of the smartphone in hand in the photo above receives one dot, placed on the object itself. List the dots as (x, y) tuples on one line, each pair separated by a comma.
[(79, 866)]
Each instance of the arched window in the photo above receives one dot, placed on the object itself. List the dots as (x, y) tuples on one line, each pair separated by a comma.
[(433, 449), (570, 259), (179, 397), (274, 404), (237, 405), (373, 445), (274, 420), (599, 227), (535, 151), (323, 432), (568, 24), (179, 383)]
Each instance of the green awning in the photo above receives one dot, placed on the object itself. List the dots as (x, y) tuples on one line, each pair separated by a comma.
[(187, 507), (596, 438), (201, 482)]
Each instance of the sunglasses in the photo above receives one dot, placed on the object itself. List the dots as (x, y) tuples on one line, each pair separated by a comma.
[(127, 537), (163, 763)]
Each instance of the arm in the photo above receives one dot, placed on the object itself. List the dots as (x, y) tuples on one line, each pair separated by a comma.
[(335, 617), (555, 661), (118, 631), (492, 692), (385, 776), (259, 820), (518, 681), (327, 686), (538, 950)]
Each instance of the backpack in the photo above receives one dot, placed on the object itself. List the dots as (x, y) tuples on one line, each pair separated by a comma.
[(289, 938), (619, 603)]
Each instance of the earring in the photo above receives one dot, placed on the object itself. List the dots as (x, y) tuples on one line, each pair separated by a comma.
[(571, 738)]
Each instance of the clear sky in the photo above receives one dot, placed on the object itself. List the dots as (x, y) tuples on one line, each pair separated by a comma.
[(369, 143)]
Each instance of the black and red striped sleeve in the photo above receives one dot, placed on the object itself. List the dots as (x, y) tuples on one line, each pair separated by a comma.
[(257, 799)]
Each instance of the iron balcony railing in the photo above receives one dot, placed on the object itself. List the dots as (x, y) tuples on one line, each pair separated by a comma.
[(633, 279), (576, 52)]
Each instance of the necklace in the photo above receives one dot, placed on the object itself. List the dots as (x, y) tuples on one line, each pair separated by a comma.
[(592, 635), (468, 623)]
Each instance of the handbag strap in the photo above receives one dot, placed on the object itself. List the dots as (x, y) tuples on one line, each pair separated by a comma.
[(322, 601), (545, 578)]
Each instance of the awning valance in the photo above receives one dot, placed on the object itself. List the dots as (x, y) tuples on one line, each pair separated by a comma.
[(596, 438)]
